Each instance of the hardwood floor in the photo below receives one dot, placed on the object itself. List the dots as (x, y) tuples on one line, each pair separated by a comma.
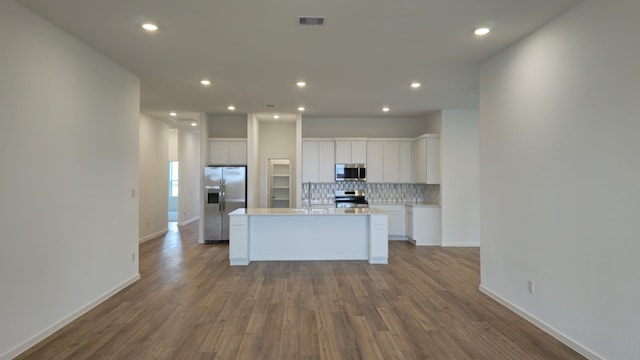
[(190, 304)]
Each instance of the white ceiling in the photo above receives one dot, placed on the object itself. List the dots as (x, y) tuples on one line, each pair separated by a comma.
[(253, 51)]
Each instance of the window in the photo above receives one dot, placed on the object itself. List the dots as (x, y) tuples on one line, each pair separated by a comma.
[(173, 178)]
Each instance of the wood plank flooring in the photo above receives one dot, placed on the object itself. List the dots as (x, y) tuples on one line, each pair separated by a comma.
[(190, 304)]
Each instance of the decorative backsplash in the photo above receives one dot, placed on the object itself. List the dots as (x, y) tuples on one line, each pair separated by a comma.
[(323, 193)]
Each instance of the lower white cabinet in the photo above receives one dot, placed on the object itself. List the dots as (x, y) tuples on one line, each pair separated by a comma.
[(423, 224), (396, 217)]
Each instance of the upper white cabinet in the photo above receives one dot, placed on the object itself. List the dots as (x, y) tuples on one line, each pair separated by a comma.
[(427, 159), (375, 161), (318, 163), (351, 151), (390, 161), (227, 151)]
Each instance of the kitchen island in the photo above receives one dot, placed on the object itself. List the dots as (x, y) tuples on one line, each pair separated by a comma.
[(259, 234)]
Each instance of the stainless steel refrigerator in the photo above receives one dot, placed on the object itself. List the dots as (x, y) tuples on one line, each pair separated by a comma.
[(225, 191)]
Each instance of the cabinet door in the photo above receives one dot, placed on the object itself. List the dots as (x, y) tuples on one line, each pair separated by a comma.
[(409, 222), (391, 162), (433, 160), (420, 163), (326, 162), (218, 153), (359, 152), (406, 162), (396, 216), (426, 226), (309, 161), (343, 152), (238, 153), (375, 161)]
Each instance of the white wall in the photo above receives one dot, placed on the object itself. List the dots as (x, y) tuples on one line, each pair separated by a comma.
[(227, 126), (459, 189), (384, 127), (154, 178), (173, 145), (69, 159), (189, 195), (253, 161), (560, 168), (434, 123)]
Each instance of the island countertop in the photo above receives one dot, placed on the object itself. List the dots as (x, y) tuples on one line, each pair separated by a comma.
[(306, 211), (277, 234)]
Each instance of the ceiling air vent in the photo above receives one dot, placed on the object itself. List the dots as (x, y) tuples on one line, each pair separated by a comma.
[(310, 20)]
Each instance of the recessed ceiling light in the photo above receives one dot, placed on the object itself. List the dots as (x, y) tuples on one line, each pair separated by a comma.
[(194, 124), (150, 26), (231, 107), (482, 31), (276, 116), (205, 82), (415, 84), (172, 114), (300, 108), (386, 109), (301, 84)]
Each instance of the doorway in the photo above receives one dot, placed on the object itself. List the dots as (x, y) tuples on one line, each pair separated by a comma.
[(173, 191)]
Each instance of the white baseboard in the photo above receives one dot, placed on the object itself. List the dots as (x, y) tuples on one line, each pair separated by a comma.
[(461, 244), (187, 222), (65, 321), (153, 236), (584, 351)]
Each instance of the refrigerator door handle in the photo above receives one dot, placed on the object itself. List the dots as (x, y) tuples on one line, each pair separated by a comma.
[(223, 190)]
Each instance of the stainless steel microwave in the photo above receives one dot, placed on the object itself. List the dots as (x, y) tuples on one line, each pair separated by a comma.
[(351, 172)]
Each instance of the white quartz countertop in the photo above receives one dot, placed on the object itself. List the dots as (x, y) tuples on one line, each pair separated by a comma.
[(305, 211), (422, 205), (412, 204)]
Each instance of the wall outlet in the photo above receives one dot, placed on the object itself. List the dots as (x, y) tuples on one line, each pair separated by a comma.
[(133, 257), (133, 193), (531, 286)]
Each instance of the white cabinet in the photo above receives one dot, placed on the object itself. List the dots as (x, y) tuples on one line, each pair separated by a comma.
[(406, 161), (318, 161), (396, 215), (390, 161), (375, 161), (391, 172), (423, 224), (427, 159), (227, 151), (351, 151)]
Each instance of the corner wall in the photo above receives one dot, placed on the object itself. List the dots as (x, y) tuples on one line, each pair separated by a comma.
[(69, 159), (154, 178), (559, 146), (459, 189), (189, 158)]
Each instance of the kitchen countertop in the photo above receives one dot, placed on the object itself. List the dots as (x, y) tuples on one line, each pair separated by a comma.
[(305, 211), (413, 204)]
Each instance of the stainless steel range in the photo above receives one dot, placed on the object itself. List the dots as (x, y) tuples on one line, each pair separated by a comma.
[(351, 199)]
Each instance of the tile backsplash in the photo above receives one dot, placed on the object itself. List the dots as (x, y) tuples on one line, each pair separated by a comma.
[(323, 193)]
